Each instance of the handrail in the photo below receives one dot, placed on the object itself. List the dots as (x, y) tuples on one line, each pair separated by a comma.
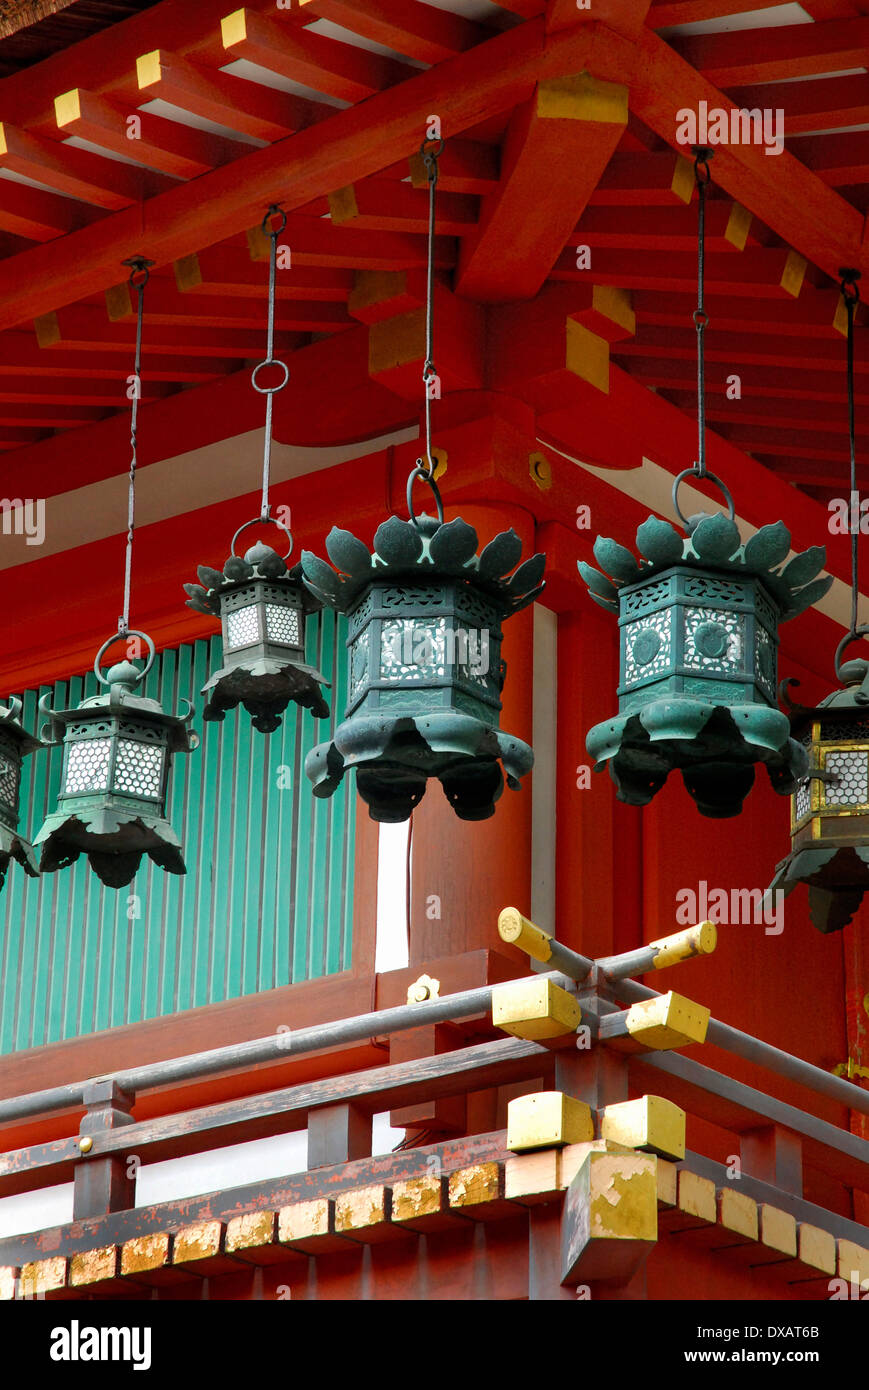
[(275, 1047)]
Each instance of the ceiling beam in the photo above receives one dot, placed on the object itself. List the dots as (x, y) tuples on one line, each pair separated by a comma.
[(418, 31), (780, 191), (253, 110), (767, 272), (77, 173), (824, 104), (151, 140), (556, 148), (337, 69), (350, 145), (795, 50)]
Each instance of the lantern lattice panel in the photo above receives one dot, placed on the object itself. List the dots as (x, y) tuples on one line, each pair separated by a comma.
[(242, 627), (851, 771), (9, 775), (282, 624), (714, 640), (803, 800), (411, 648), (648, 646), (138, 769), (87, 766)]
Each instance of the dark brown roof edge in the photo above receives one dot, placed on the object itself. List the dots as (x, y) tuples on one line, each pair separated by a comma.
[(16, 15)]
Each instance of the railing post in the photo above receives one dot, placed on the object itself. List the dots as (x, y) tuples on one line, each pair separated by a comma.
[(101, 1185), (773, 1155), (338, 1134)]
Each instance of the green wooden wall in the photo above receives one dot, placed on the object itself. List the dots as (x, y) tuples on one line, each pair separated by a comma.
[(268, 895)]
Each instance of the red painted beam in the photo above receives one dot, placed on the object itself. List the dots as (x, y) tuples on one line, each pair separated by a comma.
[(251, 109), (781, 192), (352, 144), (326, 65), (151, 140), (76, 173), (556, 147), (416, 30), (796, 50)]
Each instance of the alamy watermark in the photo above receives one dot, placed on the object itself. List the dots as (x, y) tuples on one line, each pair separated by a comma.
[(464, 647), (733, 907), (23, 516), (717, 125)]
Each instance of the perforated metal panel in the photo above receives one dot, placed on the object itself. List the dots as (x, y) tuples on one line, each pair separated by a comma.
[(268, 895)]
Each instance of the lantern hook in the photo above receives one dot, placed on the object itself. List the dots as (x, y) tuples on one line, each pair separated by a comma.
[(709, 478), (426, 475), (853, 636), (264, 520), (125, 636)]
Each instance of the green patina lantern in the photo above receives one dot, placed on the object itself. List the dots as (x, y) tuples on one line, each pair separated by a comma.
[(698, 625), (698, 619), (262, 607), (15, 744), (261, 602), (830, 808), (117, 751), (424, 642)]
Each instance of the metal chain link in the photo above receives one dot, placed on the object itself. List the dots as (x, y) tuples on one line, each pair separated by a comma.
[(701, 318), (273, 232), (425, 467), (138, 279), (851, 296)]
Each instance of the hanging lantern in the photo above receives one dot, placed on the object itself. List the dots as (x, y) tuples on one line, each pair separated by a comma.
[(117, 751), (424, 642), (830, 809), (698, 620), (261, 603), (117, 747), (426, 673), (698, 623), (262, 606), (15, 744)]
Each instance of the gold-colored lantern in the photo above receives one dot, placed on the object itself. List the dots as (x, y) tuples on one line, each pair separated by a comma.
[(830, 808)]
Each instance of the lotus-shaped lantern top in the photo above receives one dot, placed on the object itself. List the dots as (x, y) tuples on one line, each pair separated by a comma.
[(259, 562), (714, 543), (698, 618), (426, 548)]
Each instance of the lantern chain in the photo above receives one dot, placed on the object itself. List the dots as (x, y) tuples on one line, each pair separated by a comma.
[(273, 231), (851, 296), (701, 318), (425, 467), (138, 279)]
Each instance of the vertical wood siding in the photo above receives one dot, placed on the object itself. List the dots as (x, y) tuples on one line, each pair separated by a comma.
[(268, 895)]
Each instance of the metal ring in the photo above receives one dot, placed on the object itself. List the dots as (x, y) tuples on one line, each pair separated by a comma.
[(267, 229), (123, 637), (433, 153), (426, 475), (701, 318), (139, 266), (270, 362), (846, 642), (263, 521), (711, 478)]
